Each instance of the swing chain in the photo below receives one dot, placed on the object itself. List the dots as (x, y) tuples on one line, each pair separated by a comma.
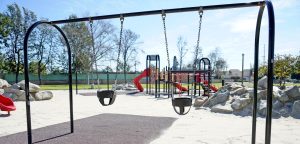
[(163, 15), (120, 41), (199, 31), (92, 36), (119, 49)]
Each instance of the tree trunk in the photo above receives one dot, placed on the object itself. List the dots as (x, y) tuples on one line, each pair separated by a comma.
[(39, 72), (18, 67), (17, 62), (124, 70)]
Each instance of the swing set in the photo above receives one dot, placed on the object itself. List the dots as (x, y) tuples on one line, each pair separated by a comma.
[(185, 102)]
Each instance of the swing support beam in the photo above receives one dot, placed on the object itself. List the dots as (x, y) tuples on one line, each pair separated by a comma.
[(271, 41), (166, 11)]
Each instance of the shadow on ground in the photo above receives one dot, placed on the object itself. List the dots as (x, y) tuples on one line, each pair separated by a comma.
[(103, 128)]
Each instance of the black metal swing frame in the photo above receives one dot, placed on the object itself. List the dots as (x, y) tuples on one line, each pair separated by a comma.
[(271, 41)]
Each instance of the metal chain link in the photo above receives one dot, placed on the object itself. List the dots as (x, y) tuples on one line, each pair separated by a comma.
[(119, 49), (93, 41), (165, 32), (199, 32)]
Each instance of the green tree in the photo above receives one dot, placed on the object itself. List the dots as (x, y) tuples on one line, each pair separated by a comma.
[(45, 48), (282, 68), (34, 67), (262, 70), (107, 69), (80, 42), (5, 25), (296, 65), (20, 19)]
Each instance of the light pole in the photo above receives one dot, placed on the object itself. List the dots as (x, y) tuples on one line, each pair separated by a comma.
[(243, 68)]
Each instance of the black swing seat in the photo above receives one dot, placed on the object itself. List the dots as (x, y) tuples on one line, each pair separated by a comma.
[(182, 102), (106, 94)]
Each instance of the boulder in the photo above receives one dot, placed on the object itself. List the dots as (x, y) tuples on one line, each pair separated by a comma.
[(250, 91), (276, 92), (4, 83), (12, 90), (239, 91), (285, 111), (276, 114), (262, 111), (22, 97), (226, 109), (118, 87), (293, 92), (282, 96), (240, 103), (217, 98), (32, 87), (246, 111), (43, 95), (263, 82), (234, 86), (262, 106), (2, 91), (13, 96), (296, 109), (262, 94), (277, 104), (200, 101), (12, 93), (16, 86)]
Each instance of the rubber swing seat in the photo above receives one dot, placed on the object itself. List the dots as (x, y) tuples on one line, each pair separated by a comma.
[(182, 102), (106, 94)]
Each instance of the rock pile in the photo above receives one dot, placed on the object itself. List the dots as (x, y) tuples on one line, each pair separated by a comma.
[(238, 100), (127, 86), (17, 91)]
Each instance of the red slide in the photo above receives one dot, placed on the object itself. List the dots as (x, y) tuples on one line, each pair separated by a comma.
[(212, 87), (180, 87), (136, 80), (6, 104)]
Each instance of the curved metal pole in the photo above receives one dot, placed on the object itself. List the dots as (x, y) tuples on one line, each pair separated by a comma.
[(256, 56), (26, 75), (271, 41)]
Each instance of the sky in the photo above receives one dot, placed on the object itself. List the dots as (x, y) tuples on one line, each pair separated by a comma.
[(231, 30)]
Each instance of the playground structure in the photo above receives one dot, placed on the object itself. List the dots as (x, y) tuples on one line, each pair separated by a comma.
[(199, 79), (271, 36), (6, 104)]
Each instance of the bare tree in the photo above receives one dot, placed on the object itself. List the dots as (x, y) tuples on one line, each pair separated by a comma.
[(213, 57), (182, 50), (221, 66), (129, 49), (197, 54), (102, 33)]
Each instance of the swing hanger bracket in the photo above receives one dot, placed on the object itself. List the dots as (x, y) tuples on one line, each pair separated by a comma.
[(163, 14), (200, 11), (121, 17)]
